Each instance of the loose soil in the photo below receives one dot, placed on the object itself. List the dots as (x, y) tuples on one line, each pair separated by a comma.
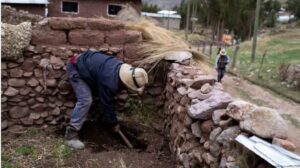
[(288, 109), (103, 148)]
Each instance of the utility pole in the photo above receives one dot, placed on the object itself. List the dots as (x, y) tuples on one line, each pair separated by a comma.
[(255, 31), (187, 20)]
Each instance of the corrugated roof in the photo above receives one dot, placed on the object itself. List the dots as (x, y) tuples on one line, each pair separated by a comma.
[(25, 1), (275, 155), (161, 15)]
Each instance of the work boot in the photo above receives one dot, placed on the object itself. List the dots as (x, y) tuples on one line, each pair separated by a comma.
[(72, 139)]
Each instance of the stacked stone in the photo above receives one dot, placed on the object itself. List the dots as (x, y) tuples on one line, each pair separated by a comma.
[(203, 120)]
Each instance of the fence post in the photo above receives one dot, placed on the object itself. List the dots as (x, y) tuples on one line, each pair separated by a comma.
[(234, 56), (262, 63)]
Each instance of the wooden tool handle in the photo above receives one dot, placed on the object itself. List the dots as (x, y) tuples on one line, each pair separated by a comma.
[(125, 139)]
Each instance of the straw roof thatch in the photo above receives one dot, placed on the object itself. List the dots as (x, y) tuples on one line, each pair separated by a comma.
[(160, 42)]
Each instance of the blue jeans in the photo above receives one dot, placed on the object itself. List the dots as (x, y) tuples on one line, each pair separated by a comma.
[(221, 72), (83, 95)]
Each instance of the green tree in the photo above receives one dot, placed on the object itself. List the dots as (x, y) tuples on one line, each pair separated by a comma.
[(152, 8), (294, 7)]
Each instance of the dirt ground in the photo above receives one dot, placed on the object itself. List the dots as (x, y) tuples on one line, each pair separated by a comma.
[(288, 109), (40, 147)]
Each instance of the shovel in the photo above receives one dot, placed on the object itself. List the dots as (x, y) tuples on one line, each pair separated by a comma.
[(125, 139)]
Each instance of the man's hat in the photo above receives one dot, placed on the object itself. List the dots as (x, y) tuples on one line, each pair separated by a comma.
[(133, 78), (223, 52)]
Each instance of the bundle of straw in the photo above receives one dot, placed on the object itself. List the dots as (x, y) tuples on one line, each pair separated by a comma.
[(160, 42)]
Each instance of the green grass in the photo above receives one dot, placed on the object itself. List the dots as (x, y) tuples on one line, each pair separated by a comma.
[(27, 150), (61, 150), (292, 120), (244, 95), (281, 49), (6, 162)]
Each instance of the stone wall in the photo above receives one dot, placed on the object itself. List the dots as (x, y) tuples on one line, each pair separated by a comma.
[(32, 95), (203, 121)]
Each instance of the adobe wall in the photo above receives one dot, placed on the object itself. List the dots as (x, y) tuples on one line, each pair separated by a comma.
[(32, 95), (90, 8)]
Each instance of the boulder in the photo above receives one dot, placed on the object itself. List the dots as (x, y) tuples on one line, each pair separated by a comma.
[(178, 56), (284, 143), (238, 108), (228, 135), (207, 126), (33, 82), (16, 73), (56, 62), (18, 112), (197, 94), (204, 109), (213, 135), (208, 158), (14, 39), (264, 122), (206, 88)]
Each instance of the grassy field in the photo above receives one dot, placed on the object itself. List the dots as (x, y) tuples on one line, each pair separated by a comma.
[(281, 48)]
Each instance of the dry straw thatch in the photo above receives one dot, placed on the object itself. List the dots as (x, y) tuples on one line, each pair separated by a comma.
[(160, 42)]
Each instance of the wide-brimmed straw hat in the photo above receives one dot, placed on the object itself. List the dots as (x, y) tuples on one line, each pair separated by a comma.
[(134, 78), (223, 52)]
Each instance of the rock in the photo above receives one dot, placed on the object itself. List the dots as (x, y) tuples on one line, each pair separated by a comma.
[(3, 99), (185, 159), (228, 135), (27, 121), (204, 109), (34, 116), (33, 82), (284, 143), (59, 103), (226, 123), (12, 65), (40, 99), (56, 62), (10, 91), (27, 74), (86, 37), (38, 107), (123, 97), (213, 135), (69, 104), (51, 82), (187, 121), (58, 23), (4, 124), (44, 114), (206, 145), (39, 121), (16, 73), (201, 80), (197, 94), (22, 103), (15, 38), (28, 65), (238, 108), (206, 88), (264, 122), (195, 127), (215, 149), (197, 156), (208, 158), (178, 56), (18, 112), (25, 91), (182, 90), (218, 86), (3, 65), (38, 89), (230, 159), (16, 82), (217, 114), (184, 101), (207, 126)]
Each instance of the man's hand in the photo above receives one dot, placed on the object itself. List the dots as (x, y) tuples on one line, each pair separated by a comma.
[(116, 128)]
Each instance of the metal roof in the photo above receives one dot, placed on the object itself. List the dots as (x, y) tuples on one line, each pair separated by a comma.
[(161, 15), (275, 155), (25, 1)]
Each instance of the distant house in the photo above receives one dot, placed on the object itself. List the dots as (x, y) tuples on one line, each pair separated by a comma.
[(73, 8), (166, 19), (38, 7)]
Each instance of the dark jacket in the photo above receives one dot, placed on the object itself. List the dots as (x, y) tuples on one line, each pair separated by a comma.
[(222, 61), (101, 73)]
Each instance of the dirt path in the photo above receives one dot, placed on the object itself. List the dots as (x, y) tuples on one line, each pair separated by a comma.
[(289, 110)]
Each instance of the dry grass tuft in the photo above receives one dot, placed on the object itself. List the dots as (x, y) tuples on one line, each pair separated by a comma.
[(160, 42)]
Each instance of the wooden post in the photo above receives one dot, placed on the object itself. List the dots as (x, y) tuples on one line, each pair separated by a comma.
[(234, 56), (255, 31), (262, 63), (187, 21)]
